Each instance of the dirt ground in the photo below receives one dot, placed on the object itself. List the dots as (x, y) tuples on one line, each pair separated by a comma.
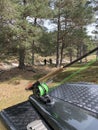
[(11, 94), (13, 82)]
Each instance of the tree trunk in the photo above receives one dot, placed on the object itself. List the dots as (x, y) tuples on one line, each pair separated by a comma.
[(58, 44), (22, 50), (85, 51), (70, 55), (62, 48), (33, 44), (24, 2), (33, 52), (97, 55), (21, 58), (63, 44), (79, 51)]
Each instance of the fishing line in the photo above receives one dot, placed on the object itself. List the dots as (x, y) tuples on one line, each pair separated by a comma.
[(75, 73)]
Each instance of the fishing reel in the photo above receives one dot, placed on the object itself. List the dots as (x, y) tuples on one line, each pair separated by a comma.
[(40, 91)]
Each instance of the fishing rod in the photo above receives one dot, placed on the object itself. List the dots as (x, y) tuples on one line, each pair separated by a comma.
[(40, 88)]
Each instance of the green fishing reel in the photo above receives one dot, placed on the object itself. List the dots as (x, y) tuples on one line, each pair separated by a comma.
[(43, 89), (40, 89)]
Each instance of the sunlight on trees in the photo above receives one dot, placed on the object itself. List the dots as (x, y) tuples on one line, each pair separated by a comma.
[(24, 38)]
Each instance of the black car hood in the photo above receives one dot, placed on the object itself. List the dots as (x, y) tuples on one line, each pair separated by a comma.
[(70, 110), (64, 116)]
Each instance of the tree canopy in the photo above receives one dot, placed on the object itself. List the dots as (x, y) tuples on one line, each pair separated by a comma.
[(22, 30)]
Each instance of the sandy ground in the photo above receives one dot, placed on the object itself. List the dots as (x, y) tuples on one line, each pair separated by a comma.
[(13, 82), (11, 94)]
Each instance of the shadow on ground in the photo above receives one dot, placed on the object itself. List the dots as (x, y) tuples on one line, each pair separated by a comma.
[(36, 72), (29, 73)]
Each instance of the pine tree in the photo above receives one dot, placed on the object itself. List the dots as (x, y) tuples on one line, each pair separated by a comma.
[(72, 16), (40, 10), (7, 17)]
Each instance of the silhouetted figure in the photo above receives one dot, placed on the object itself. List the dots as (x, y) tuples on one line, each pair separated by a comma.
[(50, 61), (45, 61)]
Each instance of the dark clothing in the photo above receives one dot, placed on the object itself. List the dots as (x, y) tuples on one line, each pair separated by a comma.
[(45, 61)]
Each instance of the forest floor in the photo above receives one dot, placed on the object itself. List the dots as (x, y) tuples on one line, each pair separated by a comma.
[(13, 81)]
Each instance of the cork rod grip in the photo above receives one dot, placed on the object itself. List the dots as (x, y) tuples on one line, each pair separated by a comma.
[(50, 75), (46, 77)]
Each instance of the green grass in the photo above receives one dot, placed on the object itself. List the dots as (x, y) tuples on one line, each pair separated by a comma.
[(77, 73), (81, 73)]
